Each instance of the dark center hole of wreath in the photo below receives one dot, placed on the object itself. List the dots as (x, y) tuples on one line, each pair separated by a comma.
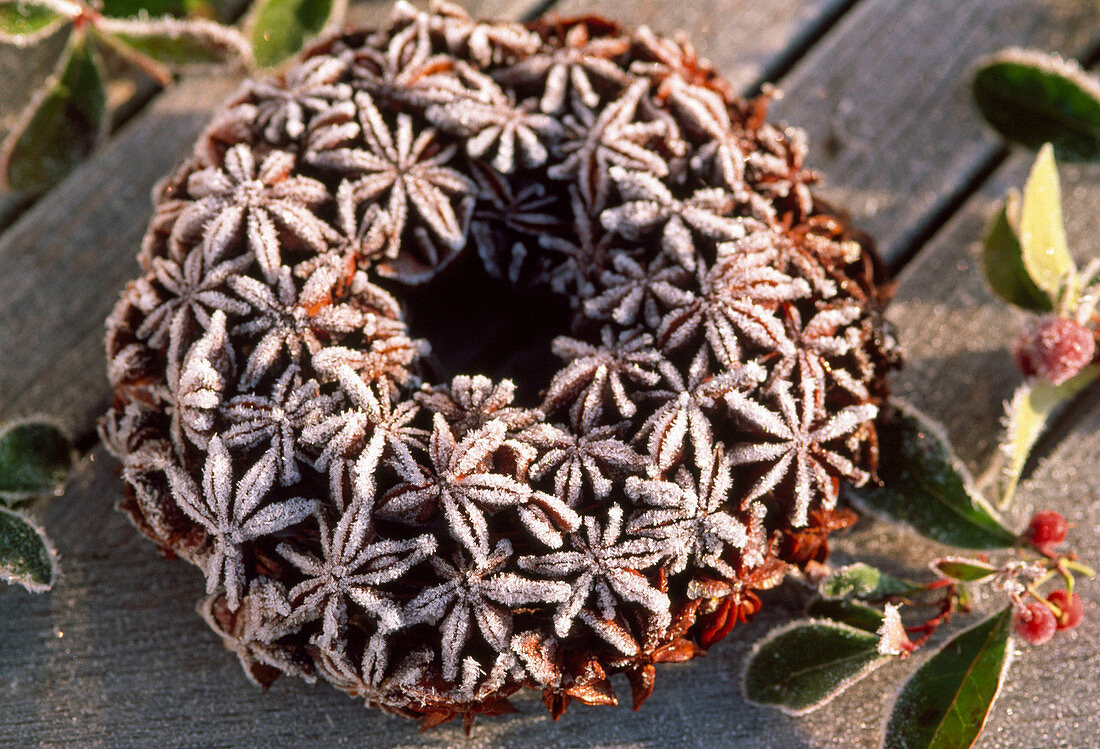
[(478, 324)]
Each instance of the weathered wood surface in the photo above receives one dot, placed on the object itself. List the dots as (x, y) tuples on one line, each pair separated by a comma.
[(885, 100), (105, 660)]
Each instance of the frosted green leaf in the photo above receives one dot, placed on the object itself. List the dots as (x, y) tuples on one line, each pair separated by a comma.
[(861, 580), (1042, 233), (944, 705), (800, 667), (24, 22), (925, 485), (846, 612), (35, 458), (1003, 259), (60, 127), (154, 8), (1031, 409), (1034, 98), (962, 569), (278, 29), (177, 45), (26, 556)]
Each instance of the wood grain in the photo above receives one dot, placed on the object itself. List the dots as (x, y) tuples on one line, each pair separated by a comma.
[(885, 100)]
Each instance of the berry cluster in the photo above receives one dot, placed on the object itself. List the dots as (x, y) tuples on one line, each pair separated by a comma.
[(1038, 620)]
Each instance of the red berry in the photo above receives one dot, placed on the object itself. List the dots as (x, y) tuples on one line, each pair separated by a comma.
[(1054, 348), (1036, 623), (1073, 610), (1046, 529)]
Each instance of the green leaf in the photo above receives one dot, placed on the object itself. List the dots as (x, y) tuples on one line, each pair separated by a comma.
[(1003, 260), (924, 485), (961, 568), (144, 8), (23, 22), (800, 667), (60, 127), (26, 556), (846, 612), (861, 580), (1042, 233), (1034, 98), (178, 45), (35, 458), (1031, 409), (278, 29), (946, 702)]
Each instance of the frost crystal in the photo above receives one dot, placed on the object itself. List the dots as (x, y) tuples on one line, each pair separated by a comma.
[(431, 546)]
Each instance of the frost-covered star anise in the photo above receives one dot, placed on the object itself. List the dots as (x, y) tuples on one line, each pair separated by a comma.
[(472, 402), (233, 513), (571, 68), (408, 168), (286, 319), (577, 458), (277, 420), (824, 341), (692, 519), (370, 424), (283, 108), (616, 137), (629, 291), (498, 127), (649, 204), (483, 42), (735, 304), (461, 483), (794, 445), (600, 564), (705, 112), (683, 417), (265, 205), (405, 68), (352, 567), (191, 292), (597, 374), (478, 591)]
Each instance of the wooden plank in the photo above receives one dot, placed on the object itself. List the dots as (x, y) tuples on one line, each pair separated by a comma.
[(65, 261), (885, 101), (745, 39)]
